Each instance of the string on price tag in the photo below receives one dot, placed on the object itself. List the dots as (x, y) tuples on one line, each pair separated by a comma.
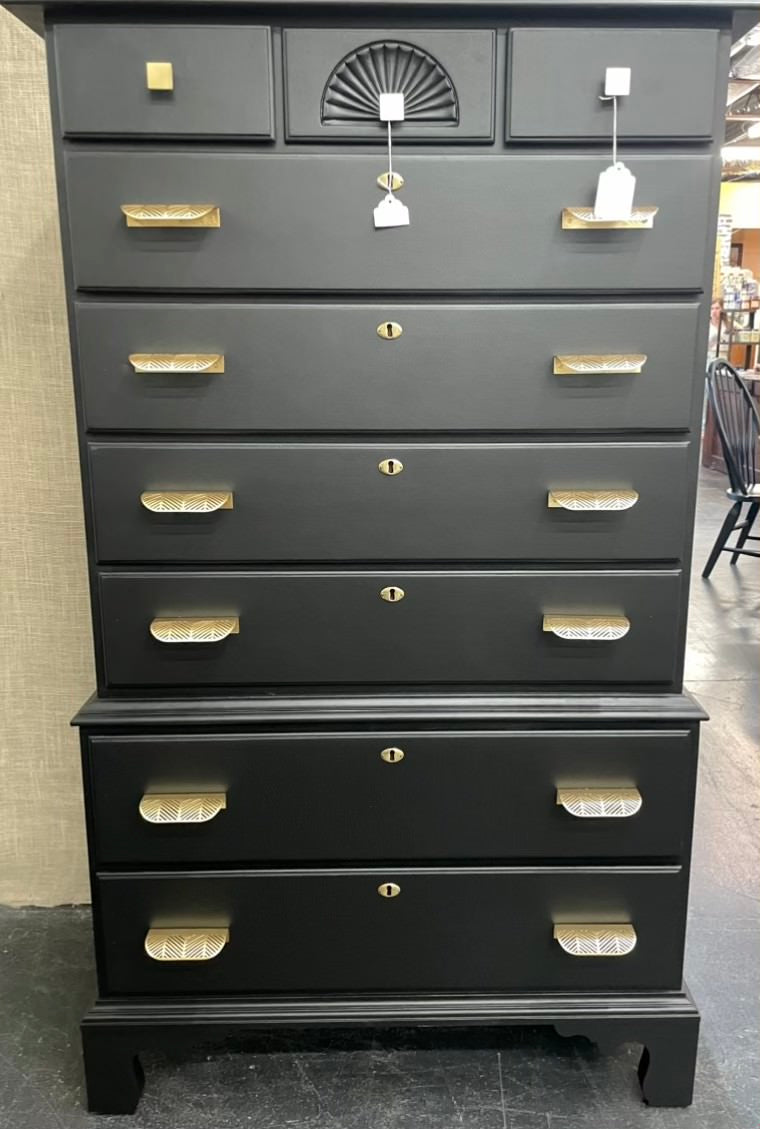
[(617, 184), (390, 212)]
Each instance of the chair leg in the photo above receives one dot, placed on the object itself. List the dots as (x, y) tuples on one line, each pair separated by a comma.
[(725, 532), (751, 515)]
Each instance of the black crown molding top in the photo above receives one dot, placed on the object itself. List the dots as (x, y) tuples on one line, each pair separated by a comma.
[(275, 709), (32, 12)]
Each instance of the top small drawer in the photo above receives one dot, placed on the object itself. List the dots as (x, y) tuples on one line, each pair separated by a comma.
[(212, 80), (557, 75), (334, 78)]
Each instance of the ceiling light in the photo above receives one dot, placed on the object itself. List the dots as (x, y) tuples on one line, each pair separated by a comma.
[(754, 130), (740, 153)]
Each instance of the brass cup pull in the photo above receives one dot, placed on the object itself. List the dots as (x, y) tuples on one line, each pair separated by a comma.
[(394, 181), (392, 594), (388, 890), (580, 500), (592, 628), (600, 803), (181, 807), (598, 364), (389, 330), (159, 76), (390, 466), (183, 945), (194, 629), (179, 364), (580, 216), (186, 501), (172, 215), (392, 755), (596, 940)]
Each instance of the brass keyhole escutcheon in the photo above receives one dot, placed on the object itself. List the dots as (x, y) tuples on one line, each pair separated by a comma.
[(388, 890), (394, 181), (390, 466), (393, 755), (392, 594), (389, 330)]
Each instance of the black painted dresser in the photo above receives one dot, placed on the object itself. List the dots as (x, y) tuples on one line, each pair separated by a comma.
[(389, 527)]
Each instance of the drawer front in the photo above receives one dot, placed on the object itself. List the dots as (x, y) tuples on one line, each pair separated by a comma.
[(334, 77), (409, 796), (330, 502), (508, 236), (326, 368), (447, 929), (311, 627), (220, 79), (557, 74)]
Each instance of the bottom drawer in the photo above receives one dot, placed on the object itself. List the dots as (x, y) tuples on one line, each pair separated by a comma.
[(444, 929)]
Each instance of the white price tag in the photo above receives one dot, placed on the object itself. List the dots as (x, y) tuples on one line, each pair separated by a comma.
[(391, 107), (614, 193), (390, 212)]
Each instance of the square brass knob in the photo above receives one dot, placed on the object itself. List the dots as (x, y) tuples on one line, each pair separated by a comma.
[(159, 76)]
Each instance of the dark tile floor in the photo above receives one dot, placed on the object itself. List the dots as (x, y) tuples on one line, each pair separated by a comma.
[(524, 1079)]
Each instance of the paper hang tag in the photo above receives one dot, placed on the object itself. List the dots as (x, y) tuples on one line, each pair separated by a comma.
[(614, 193), (390, 212)]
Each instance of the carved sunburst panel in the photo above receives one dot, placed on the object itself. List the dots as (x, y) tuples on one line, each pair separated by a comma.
[(352, 92)]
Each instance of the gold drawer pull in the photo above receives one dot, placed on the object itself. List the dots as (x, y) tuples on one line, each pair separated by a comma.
[(195, 630), (579, 216), (389, 330), (186, 501), (392, 756), (598, 364), (591, 627), (181, 807), (172, 215), (390, 180), (600, 803), (392, 594), (388, 890), (596, 940), (592, 499), (183, 945), (177, 362), (159, 76)]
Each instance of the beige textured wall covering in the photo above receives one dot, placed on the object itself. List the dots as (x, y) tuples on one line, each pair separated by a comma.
[(45, 644)]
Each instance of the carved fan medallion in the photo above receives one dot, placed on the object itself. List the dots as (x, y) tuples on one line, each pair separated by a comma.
[(353, 89)]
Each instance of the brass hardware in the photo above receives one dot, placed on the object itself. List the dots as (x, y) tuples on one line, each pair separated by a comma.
[(592, 499), (186, 501), (185, 944), (601, 364), (582, 217), (596, 940), (590, 627), (181, 807), (195, 629), (177, 362), (388, 890), (393, 755), (390, 466), (392, 594), (397, 181), (172, 215), (159, 76), (600, 803), (389, 330)]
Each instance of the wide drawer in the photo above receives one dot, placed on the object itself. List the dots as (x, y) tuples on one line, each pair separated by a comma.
[(334, 931), (167, 80), (334, 78), (326, 367), (305, 223), (352, 627), (218, 798), (330, 502), (557, 74)]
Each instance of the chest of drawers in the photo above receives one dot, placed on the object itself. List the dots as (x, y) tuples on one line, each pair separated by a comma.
[(389, 530)]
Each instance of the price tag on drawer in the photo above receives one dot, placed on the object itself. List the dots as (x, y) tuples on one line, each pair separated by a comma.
[(390, 212), (614, 193)]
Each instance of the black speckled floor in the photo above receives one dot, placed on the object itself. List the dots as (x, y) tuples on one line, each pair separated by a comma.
[(487, 1079)]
